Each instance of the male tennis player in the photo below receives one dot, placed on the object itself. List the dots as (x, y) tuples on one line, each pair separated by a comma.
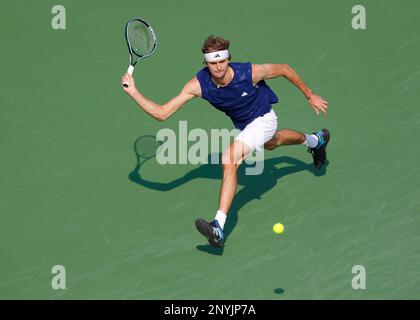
[(240, 91)]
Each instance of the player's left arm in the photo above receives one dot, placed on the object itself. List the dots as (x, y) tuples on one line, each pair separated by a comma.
[(271, 70)]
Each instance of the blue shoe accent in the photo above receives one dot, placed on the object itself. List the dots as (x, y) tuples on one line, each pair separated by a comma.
[(217, 229), (321, 141)]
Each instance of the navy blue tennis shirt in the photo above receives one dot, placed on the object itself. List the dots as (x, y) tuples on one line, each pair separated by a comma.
[(239, 100)]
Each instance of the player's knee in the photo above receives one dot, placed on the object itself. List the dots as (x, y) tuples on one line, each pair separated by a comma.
[(228, 157), (228, 162)]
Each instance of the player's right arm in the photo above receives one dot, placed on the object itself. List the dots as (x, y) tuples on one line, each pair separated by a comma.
[(162, 112), (271, 70)]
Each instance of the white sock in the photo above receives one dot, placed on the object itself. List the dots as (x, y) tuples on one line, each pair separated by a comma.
[(311, 140), (221, 218)]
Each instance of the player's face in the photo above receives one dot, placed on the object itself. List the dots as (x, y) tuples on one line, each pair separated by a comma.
[(218, 69)]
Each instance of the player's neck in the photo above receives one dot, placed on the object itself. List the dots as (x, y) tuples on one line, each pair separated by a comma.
[(225, 80)]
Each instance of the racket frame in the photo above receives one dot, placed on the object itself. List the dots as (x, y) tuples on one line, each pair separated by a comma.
[(130, 49)]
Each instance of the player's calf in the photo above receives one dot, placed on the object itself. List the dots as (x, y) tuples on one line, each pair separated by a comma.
[(285, 137)]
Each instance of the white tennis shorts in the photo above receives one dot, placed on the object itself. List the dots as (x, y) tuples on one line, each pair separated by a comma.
[(259, 131)]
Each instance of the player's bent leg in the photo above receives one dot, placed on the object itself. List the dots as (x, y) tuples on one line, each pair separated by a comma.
[(285, 137), (316, 143)]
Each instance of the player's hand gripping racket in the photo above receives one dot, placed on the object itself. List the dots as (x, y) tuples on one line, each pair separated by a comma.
[(141, 42)]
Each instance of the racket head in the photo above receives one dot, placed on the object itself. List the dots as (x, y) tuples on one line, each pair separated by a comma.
[(146, 147), (141, 39)]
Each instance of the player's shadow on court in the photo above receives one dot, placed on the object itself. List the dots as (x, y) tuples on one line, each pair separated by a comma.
[(254, 186)]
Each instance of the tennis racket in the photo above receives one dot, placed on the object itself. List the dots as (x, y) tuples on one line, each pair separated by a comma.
[(141, 42), (146, 147)]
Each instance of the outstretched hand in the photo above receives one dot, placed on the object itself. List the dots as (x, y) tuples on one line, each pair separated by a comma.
[(318, 104)]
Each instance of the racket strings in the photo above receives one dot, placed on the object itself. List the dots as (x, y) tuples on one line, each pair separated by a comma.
[(141, 38)]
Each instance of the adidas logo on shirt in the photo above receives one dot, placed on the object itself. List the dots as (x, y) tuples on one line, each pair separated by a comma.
[(244, 94)]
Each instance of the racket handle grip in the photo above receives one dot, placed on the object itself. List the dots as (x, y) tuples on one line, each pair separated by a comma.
[(130, 72)]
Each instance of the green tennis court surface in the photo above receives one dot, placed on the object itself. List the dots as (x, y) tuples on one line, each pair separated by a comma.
[(68, 194)]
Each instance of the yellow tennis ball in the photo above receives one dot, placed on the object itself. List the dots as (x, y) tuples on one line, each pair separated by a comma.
[(278, 228)]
